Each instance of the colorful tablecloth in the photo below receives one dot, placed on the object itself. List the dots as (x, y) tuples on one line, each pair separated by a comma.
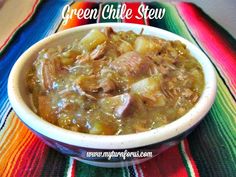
[(209, 151)]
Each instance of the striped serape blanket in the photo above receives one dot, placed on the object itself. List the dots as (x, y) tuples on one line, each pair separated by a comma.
[(209, 151)]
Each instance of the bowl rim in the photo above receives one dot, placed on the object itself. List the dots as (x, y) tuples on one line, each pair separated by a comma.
[(134, 140)]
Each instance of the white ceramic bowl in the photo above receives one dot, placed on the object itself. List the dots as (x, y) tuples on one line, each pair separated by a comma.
[(78, 144)]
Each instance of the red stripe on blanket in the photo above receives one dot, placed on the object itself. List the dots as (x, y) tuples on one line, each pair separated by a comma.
[(191, 158), (134, 18), (73, 169), (168, 164), (20, 25), (41, 158), (32, 158)]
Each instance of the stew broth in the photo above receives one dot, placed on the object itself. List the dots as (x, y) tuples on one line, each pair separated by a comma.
[(113, 83)]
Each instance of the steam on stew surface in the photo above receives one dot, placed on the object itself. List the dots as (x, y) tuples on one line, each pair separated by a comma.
[(113, 83)]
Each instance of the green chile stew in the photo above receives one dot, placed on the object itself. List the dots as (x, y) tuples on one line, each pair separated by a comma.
[(113, 83)]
